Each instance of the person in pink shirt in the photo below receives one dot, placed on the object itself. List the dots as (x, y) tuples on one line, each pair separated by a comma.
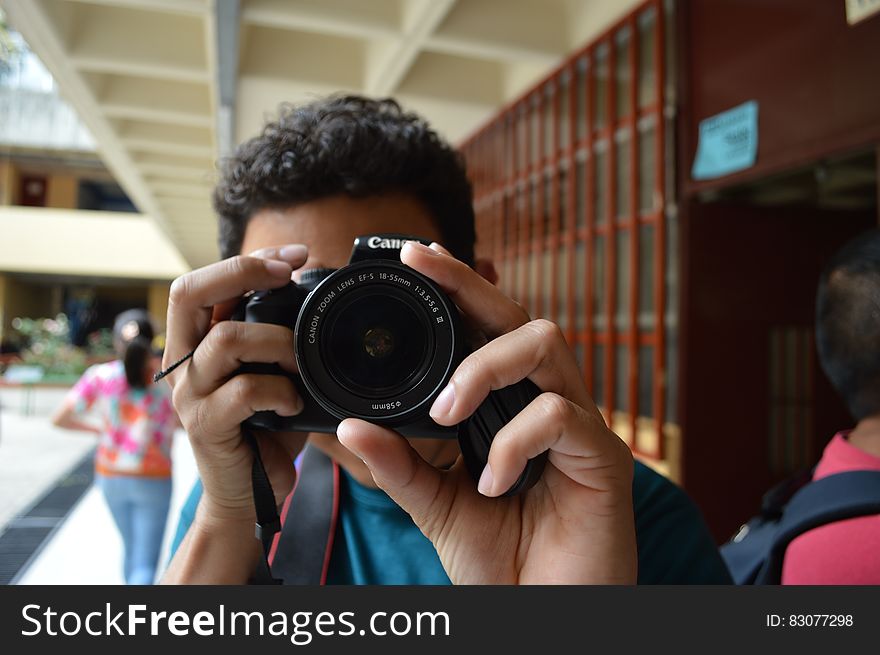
[(848, 340), (133, 458)]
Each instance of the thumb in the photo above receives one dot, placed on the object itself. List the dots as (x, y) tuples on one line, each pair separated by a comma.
[(398, 469)]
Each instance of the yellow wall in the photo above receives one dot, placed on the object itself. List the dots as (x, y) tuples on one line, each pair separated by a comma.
[(8, 183), (62, 192), (157, 304), (98, 244), (3, 283), (62, 189)]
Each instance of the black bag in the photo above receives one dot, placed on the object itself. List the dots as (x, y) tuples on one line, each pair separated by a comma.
[(795, 506)]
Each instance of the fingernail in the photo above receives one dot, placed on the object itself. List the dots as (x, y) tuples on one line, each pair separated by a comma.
[(293, 253), (344, 442), (443, 403), (420, 247), (277, 269), (437, 249), (484, 486)]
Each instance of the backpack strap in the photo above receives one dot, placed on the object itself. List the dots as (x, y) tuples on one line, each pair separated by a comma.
[(833, 498), (301, 552)]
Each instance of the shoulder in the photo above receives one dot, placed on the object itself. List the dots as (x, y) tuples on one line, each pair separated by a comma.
[(653, 493), (675, 545), (106, 371), (97, 375)]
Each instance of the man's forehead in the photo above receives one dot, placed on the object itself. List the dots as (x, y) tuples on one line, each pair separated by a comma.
[(331, 224)]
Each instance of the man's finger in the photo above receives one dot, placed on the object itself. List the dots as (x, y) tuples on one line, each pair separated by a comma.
[(294, 254), (220, 413), (536, 351), (580, 445), (229, 344), (193, 296), (414, 484), (492, 311)]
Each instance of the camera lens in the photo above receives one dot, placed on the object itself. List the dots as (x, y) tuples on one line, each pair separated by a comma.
[(376, 344), (377, 340)]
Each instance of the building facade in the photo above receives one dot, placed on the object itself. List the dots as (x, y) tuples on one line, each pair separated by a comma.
[(688, 302), (70, 239)]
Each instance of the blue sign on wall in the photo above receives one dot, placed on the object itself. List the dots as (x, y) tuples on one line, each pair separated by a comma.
[(728, 142)]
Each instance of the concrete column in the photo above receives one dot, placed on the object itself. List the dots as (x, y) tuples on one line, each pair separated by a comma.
[(157, 303), (3, 314), (8, 184), (62, 192)]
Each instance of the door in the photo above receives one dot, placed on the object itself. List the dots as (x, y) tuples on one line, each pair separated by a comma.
[(755, 404)]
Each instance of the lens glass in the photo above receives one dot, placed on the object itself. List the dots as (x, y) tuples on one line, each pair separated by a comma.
[(378, 344)]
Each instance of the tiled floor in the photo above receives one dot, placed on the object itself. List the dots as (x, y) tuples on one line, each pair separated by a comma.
[(85, 548)]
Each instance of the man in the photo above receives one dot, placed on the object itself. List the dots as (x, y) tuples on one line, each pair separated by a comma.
[(321, 175), (848, 340)]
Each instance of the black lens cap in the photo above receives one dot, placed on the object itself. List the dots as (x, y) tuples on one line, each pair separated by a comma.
[(475, 434)]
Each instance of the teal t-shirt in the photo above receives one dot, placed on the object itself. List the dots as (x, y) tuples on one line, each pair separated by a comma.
[(376, 542)]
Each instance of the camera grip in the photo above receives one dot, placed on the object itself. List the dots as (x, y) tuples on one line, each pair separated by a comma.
[(475, 434)]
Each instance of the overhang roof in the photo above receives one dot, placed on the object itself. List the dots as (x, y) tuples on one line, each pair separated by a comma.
[(119, 245), (165, 86)]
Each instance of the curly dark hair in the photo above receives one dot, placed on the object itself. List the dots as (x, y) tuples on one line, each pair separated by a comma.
[(848, 323), (345, 145)]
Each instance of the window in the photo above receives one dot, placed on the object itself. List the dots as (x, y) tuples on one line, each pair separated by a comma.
[(583, 231)]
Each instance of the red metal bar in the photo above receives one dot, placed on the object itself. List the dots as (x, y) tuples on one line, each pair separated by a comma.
[(611, 211), (634, 235), (574, 286), (526, 238), (660, 377), (523, 243), (589, 206), (599, 38), (555, 171)]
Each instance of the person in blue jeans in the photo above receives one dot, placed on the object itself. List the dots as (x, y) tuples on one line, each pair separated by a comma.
[(133, 458), (139, 507), (294, 198)]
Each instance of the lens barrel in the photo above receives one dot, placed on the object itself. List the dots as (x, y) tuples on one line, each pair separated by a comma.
[(377, 340)]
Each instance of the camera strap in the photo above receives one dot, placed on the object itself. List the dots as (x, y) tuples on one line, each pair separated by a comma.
[(300, 554), (268, 521)]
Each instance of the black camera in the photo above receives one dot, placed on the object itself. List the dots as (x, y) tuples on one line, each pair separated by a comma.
[(379, 341)]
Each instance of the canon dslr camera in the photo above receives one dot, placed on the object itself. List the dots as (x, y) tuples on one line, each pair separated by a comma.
[(378, 341)]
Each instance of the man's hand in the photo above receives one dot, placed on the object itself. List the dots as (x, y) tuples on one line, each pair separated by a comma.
[(212, 403), (576, 524)]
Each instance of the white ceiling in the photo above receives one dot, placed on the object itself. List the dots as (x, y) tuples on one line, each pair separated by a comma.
[(145, 78)]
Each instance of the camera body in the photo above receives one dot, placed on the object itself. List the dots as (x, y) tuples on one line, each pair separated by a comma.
[(379, 341)]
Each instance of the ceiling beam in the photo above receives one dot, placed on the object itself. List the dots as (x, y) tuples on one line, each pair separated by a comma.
[(121, 64), (32, 22), (225, 27), (182, 7), (146, 113), (321, 19), (387, 73), (501, 52)]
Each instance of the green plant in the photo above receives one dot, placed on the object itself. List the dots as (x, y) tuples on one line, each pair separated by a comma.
[(48, 346), (7, 45), (101, 343)]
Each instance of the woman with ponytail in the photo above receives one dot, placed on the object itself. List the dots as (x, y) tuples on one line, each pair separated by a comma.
[(133, 460)]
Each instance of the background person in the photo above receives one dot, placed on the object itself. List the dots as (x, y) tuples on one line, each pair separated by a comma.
[(848, 340), (133, 460)]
